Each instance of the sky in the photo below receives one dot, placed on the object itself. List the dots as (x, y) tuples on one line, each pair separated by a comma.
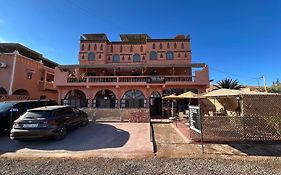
[(238, 39)]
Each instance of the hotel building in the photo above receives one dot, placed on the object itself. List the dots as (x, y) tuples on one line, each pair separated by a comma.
[(135, 72)]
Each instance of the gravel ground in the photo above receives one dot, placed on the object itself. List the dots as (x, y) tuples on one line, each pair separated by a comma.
[(136, 166)]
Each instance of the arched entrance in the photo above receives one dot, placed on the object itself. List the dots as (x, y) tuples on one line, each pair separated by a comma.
[(3, 91), (76, 98), (21, 92), (133, 99), (155, 105), (104, 99)]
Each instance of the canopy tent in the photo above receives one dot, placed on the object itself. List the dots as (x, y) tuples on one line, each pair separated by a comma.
[(232, 92)]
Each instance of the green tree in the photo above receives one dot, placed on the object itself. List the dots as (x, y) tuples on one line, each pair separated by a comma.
[(228, 84), (275, 87)]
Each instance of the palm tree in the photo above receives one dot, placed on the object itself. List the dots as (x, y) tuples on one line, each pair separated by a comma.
[(228, 84)]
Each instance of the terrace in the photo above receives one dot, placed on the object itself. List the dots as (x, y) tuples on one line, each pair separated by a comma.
[(118, 75)]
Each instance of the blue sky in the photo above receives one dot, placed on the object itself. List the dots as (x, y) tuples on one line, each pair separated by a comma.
[(238, 39)]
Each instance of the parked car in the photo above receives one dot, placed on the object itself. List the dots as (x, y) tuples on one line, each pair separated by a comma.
[(11, 110), (48, 122)]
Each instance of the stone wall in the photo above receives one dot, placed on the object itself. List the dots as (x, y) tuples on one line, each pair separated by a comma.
[(126, 115)]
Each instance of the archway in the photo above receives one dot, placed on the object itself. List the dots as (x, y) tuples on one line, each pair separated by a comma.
[(155, 105), (3, 91), (104, 99), (133, 99), (21, 92), (76, 98)]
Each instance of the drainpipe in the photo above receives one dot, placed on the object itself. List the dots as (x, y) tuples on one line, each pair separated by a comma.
[(13, 72)]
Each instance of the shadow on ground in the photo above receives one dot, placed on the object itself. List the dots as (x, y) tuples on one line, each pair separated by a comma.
[(94, 136), (259, 149)]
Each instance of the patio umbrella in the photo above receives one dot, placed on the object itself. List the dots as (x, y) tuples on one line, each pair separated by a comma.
[(189, 94), (171, 97)]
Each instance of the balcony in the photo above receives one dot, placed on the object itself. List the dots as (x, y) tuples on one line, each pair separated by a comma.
[(183, 78), (45, 85), (130, 80)]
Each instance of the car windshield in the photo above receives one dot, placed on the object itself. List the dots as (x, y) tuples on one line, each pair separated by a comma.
[(37, 114), (5, 106)]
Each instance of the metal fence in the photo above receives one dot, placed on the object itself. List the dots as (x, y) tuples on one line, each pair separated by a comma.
[(237, 128)]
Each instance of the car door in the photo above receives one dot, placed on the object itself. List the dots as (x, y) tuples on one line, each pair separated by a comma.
[(77, 116), (70, 117)]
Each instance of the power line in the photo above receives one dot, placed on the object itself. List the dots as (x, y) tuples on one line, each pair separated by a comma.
[(231, 74)]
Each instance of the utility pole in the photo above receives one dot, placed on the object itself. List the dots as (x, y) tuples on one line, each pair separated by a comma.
[(264, 82)]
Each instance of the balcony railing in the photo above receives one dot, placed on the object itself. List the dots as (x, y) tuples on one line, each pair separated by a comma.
[(129, 79), (45, 85)]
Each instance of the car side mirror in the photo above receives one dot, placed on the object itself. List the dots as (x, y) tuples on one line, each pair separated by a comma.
[(14, 110)]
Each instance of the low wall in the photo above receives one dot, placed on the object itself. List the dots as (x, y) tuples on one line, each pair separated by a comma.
[(126, 115)]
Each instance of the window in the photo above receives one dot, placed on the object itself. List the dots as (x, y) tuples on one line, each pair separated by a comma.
[(141, 48), (133, 99), (131, 49), (179, 55), (185, 55), (121, 48), (82, 47), (136, 58), (95, 47), (83, 57), (170, 55), (153, 46), (116, 58), (101, 47), (182, 45), (129, 58), (160, 46), (29, 75), (153, 55), (89, 47), (91, 56), (111, 48), (99, 56), (168, 46), (175, 45), (161, 55)]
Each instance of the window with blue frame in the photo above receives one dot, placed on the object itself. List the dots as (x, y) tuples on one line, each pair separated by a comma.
[(92, 56), (116, 58), (136, 58), (153, 55), (170, 55)]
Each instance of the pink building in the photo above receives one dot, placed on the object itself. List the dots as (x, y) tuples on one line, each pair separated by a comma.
[(25, 74), (132, 73)]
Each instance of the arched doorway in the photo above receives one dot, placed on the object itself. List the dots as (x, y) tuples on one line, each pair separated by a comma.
[(21, 92), (133, 99), (76, 98), (3, 91), (105, 99), (155, 105)]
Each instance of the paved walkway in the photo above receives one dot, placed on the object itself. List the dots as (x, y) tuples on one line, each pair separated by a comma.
[(95, 140)]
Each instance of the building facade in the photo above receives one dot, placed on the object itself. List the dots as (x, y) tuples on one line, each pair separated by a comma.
[(25, 74), (132, 73)]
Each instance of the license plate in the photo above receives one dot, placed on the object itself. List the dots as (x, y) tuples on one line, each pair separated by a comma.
[(30, 125)]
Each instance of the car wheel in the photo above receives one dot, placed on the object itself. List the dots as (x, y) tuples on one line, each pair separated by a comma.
[(61, 133)]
